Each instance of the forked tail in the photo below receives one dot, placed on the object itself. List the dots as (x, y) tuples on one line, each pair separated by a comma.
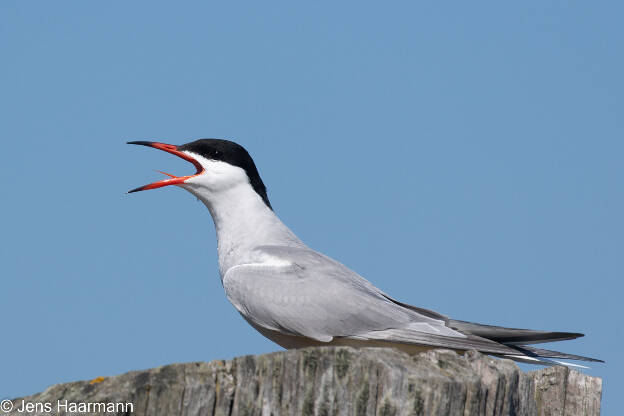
[(520, 339)]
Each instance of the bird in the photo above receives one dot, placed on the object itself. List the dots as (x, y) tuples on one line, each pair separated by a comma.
[(298, 297)]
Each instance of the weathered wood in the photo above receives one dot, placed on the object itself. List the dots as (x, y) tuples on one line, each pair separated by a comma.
[(338, 381), (562, 391)]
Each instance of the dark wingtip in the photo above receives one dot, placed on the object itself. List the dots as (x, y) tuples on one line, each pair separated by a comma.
[(570, 335), (141, 143)]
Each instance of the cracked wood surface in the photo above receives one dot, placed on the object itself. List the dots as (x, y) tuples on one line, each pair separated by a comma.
[(340, 381)]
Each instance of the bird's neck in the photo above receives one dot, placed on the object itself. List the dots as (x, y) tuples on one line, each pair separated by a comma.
[(243, 222)]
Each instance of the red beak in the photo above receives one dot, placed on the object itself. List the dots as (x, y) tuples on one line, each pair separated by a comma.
[(173, 180)]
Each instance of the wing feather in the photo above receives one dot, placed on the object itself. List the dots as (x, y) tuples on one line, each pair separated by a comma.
[(301, 292), (297, 291)]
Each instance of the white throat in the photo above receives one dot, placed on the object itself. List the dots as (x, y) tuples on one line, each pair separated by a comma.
[(242, 222)]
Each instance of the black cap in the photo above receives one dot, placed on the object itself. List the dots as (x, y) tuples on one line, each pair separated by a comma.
[(233, 154)]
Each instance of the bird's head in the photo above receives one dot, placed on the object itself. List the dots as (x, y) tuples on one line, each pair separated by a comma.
[(220, 165)]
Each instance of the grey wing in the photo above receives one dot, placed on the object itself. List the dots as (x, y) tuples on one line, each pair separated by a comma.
[(298, 291), (301, 292)]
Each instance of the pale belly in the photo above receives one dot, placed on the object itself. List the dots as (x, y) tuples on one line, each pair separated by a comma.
[(293, 342)]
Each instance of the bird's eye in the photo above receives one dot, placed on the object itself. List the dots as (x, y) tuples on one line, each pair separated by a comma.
[(216, 153)]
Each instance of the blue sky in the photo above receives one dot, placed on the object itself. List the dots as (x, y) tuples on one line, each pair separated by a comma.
[(463, 157)]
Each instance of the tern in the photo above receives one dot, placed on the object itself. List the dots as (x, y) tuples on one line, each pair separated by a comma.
[(298, 297)]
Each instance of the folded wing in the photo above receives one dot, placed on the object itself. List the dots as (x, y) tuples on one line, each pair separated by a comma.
[(301, 292), (297, 291)]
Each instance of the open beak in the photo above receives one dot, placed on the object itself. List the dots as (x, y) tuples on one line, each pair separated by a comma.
[(173, 180)]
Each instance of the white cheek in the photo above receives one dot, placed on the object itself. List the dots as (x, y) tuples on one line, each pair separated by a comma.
[(217, 175)]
